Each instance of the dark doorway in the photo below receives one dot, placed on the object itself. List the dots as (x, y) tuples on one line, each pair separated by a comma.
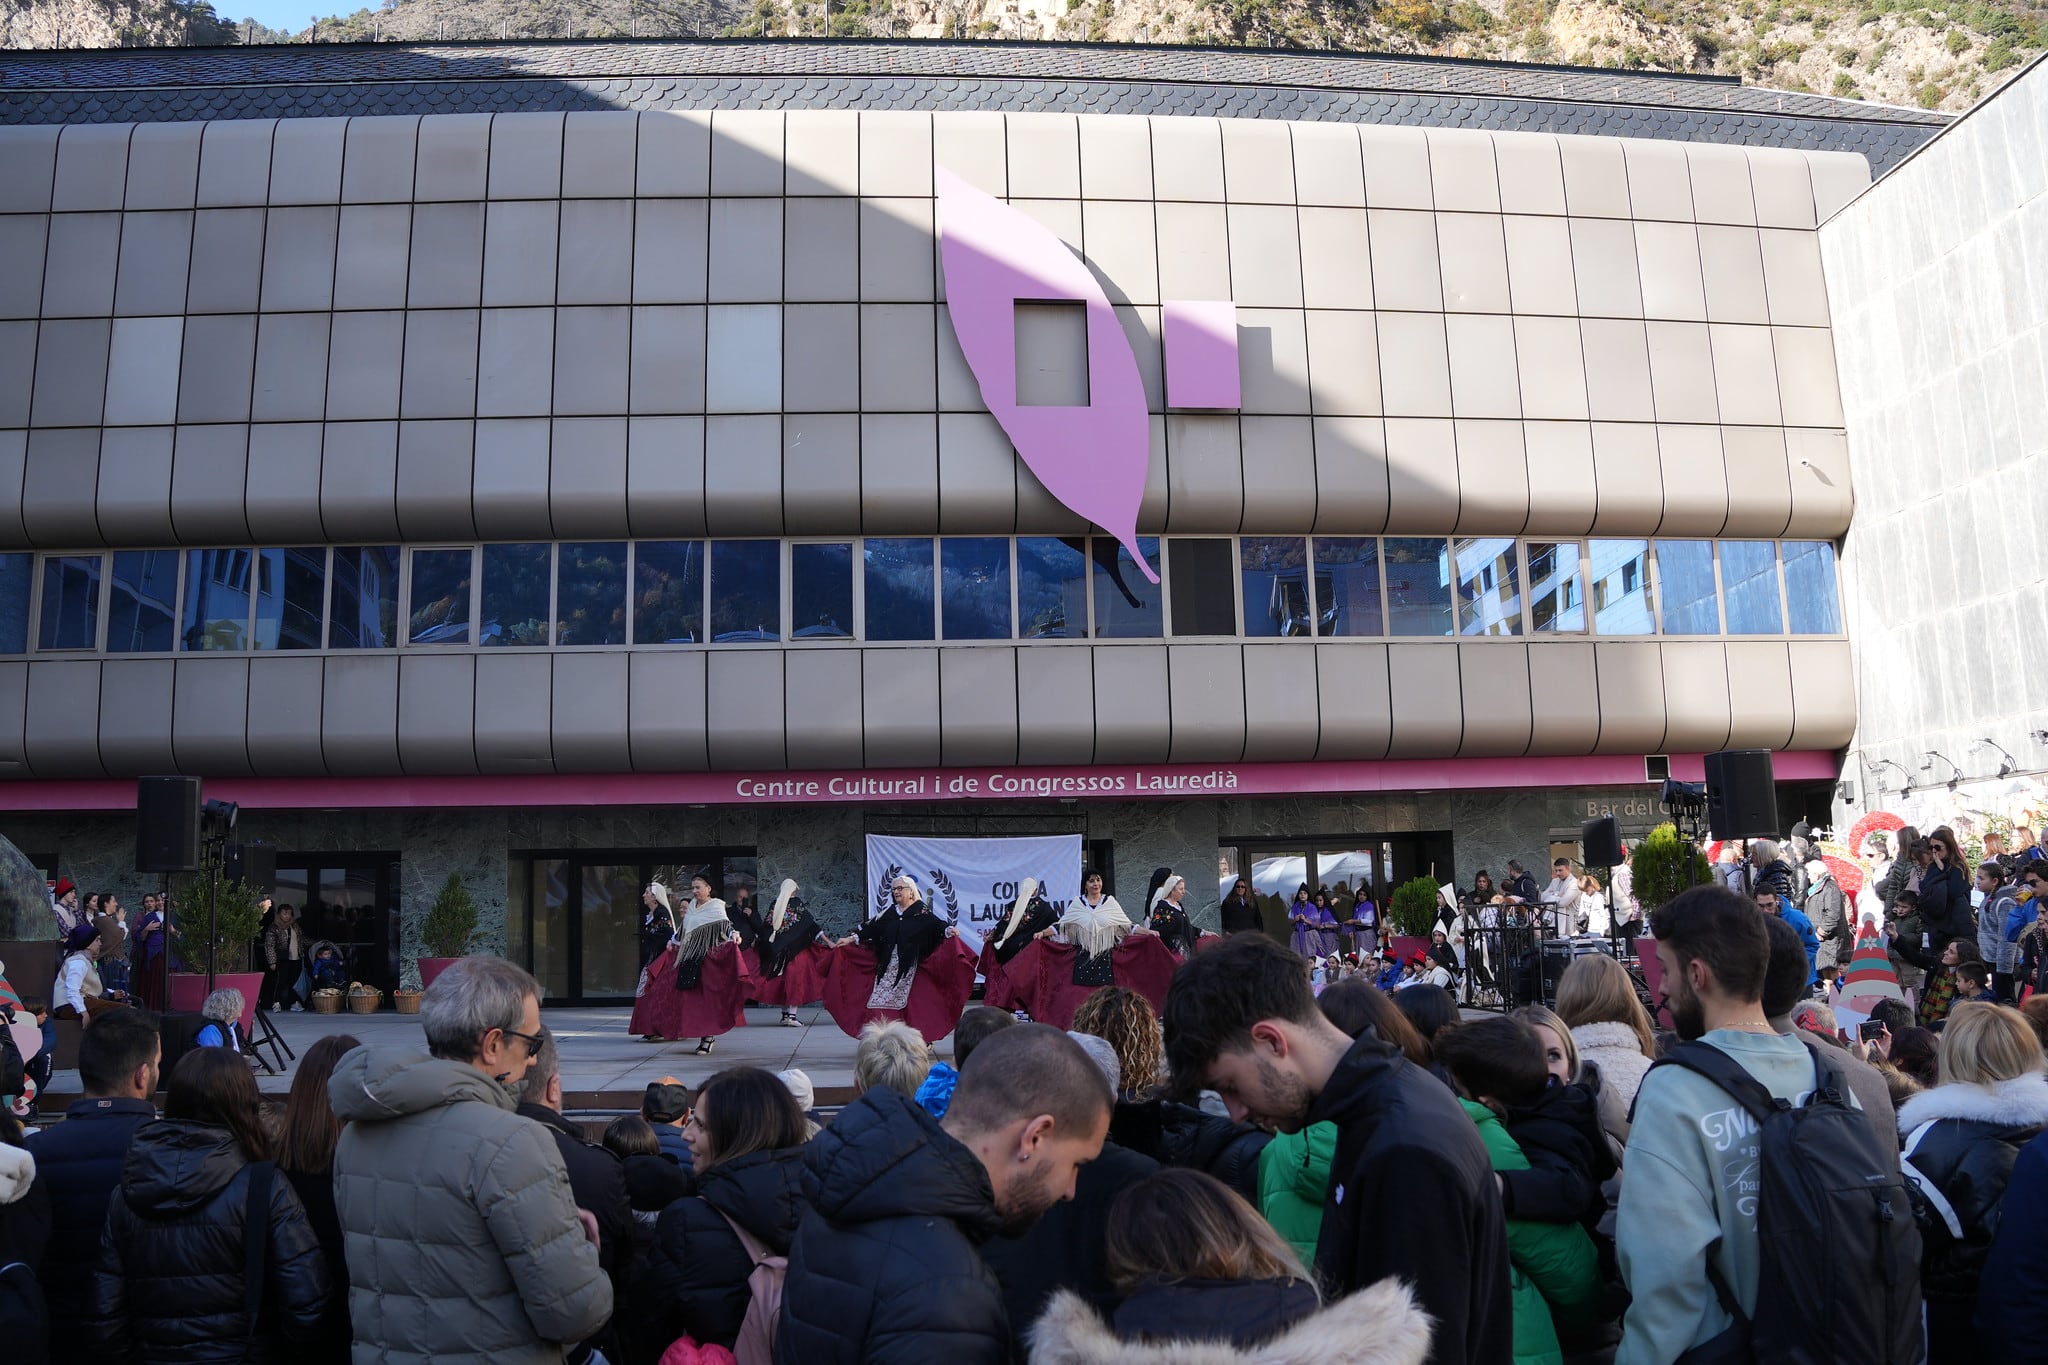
[(1343, 863), (351, 901), (574, 918)]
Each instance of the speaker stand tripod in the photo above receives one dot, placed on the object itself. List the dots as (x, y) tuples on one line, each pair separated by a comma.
[(265, 1035)]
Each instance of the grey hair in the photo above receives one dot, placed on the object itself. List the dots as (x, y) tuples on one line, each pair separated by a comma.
[(1764, 851), (1103, 1054), (223, 1006), (475, 995), (1818, 1016), (547, 1064), (891, 1055)]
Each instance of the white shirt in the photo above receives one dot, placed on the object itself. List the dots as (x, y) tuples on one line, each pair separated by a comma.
[(1593, 905), (71, 983), (1623, 892)]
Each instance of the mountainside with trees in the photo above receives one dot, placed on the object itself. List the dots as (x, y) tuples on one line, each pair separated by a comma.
[(1937, 54)]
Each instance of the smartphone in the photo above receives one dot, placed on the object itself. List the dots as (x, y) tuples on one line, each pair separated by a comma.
[(1870, 1030)]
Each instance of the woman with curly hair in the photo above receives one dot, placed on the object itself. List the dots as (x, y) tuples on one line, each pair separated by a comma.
[(1124, 1019)]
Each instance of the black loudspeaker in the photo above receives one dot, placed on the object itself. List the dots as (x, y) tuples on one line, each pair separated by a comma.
[(1600, 840), (1742, 800), (167, 824), (253, 865)]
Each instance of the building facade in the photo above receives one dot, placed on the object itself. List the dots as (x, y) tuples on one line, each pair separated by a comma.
[(520, 463)]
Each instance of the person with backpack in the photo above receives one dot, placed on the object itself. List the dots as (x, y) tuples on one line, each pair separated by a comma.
[(1961, 1141), (716, 1267), (1716, 1162), (207, 1255)]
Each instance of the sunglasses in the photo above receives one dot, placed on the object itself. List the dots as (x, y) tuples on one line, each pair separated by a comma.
[(532, 1040)]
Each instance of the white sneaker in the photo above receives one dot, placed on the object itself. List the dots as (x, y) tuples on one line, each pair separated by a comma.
[(791, 1021)]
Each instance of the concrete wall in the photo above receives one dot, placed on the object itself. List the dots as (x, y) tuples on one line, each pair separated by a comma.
[(1938, 281)]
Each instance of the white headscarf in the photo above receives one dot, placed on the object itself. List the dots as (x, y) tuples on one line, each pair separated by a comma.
[(782, 898), (1165, 890), (660, 894), (1094, 928), (1026, 889)]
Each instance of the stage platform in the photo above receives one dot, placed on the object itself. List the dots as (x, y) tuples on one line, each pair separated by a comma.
[(604, 1068)]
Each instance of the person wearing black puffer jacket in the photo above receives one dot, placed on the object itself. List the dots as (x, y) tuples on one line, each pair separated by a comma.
[(885, 1269), (170, 1287), (1961, 1140), (747, 1144)]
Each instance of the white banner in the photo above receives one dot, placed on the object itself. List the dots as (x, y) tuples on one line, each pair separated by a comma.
[(973, 882)]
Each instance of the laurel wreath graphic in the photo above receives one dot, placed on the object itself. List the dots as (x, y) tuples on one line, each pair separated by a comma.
[(889, 877), (944, 885)]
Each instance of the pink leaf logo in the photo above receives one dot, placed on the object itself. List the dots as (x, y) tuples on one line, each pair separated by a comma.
[(1093, 458)]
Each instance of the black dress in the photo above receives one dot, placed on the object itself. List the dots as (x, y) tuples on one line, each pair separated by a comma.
[(1038, 917), (779, 946), (656, 928), (901, 939), (1171, 923)]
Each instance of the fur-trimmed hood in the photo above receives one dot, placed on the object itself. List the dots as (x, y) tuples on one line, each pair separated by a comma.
[(2018, 1103), (1380, 1325)]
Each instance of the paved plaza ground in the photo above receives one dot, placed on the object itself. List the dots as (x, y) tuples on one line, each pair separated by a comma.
[(604, 1068)]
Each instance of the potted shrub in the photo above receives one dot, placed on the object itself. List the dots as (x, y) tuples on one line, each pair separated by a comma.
[(447, 930), (1411, 914), (1663, 865), (237, 916)]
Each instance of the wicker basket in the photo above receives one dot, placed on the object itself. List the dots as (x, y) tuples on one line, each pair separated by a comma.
[(326, 1003), (365, 1004), (406, 1002)]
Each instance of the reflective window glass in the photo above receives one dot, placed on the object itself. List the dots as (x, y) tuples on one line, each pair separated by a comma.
[(974, 588), (1623, 603), (1348, 586), (1052, 586), (668, 592), (291, 590), (71, 602), (216, 613), (590, 599), (746, 591), (821, 592), (363, 611), (1204, 587), (1749, 579), (1811, 600), (1276, 595), (515, 595), (1489, 586), (1126, 602), (897, 581), (1555, 603), (439, 607), (142, 616), (1685, 580), (1418, 585), (17, 583)]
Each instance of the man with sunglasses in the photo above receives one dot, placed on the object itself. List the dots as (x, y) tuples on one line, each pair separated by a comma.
[(463, 1240)]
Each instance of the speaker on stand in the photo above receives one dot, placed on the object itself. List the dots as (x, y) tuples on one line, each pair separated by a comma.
[(255, 866), (166, 841), (1742, 798)]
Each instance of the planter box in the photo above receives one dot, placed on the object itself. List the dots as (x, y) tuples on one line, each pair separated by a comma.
[(431, 967), (188, 992)]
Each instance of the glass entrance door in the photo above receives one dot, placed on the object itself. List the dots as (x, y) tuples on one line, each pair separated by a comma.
[(351, 901), (574, 918)]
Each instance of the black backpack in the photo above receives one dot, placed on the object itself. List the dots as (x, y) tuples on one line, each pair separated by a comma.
[(1839, 1271)]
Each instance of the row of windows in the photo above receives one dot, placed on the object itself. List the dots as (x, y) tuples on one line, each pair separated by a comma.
[(913, 588)]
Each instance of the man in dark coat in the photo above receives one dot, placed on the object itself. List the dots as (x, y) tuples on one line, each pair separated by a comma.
[(1412, 1193), (885, 1268), (80, 1159), (596, 1175)]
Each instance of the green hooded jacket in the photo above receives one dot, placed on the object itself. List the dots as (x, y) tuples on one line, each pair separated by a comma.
[(1294, 1180), (1556, 1275)]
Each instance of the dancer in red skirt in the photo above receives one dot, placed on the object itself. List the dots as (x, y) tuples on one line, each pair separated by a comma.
[(905, 963), (1031, 917), (1093, 945), (791, 960), (699, 984)]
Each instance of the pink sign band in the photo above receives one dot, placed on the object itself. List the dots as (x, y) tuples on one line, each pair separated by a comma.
[(1108, 782)]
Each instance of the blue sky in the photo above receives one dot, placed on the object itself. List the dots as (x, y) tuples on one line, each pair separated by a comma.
[(289, 15)]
